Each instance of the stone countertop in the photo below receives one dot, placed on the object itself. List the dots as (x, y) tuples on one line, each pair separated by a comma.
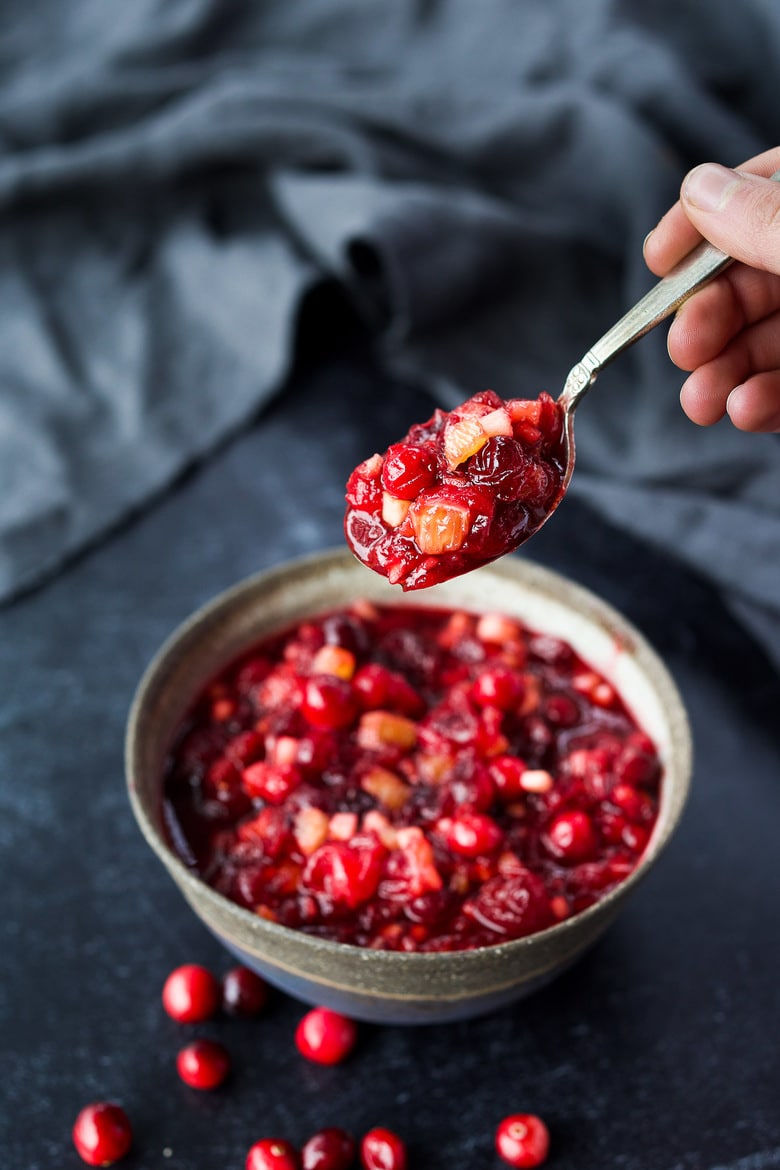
[(658, 1051)]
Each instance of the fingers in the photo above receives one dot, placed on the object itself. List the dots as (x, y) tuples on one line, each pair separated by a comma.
[(755, 405), (744, 379), (676, 234), (711, 319), (672, 239), (737, 212)]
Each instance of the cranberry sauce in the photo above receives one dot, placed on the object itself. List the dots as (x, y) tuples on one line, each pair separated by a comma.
[(458, 491), (411, 779)]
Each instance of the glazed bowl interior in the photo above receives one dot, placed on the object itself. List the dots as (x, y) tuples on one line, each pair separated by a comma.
[(383, 985)]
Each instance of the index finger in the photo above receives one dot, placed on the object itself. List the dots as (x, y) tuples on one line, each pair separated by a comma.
[(675, 236)]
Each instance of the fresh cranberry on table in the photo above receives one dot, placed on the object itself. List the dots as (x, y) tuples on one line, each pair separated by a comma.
[(325, 1036), (244, 993), (273, 1154), (381, 1149), (458, 491), (330, 1149), (102, 1134), (523, 1140), (191, 994), (203, 1064)]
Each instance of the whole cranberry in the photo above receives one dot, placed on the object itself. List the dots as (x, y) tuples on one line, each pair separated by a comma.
[(407, 469), (523, 1140), (325, 1036), (507, 773), (329, 702), (330, 1149), (203, 1064), (472, 834), (191, 994), (571, 837), (381, 1149), (273, 1154), (102, 1134), (497, 686), (244, 993)]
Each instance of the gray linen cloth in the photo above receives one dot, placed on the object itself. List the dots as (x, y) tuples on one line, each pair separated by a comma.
[(175, 174)]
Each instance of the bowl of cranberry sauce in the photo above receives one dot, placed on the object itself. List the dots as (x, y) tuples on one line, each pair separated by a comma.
[(458, 491), (408, 812)]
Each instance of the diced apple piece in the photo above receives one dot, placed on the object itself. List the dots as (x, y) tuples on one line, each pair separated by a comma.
[(383, 729), (536, 780), (342, 826), (335, 660), (524, 410), (394, 511), (311, 829), (386, 787), (497, 628), (497, 422), (375, 822)]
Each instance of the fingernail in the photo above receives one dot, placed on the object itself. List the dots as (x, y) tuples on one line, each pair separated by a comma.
[(740, 399), (710, 186), (647, 237)]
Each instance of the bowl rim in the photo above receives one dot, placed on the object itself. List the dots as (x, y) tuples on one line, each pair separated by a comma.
[(530, 575)]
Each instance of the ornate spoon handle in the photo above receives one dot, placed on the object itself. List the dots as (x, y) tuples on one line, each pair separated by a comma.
[(686, 278)]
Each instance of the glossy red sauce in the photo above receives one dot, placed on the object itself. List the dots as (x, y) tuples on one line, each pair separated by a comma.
[(411, 779), (457, 491)]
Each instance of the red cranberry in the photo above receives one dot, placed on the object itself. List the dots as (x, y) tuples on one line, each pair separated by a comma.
[(273, 1154), (329, 702), (244, 993), (507, 773), (511, 905), (503, 466), (560, 710), (102, 1134), (408, 469), (330, 1149), (271, 782), (325, 1036), (571, 837), (381, 1149), (245, 748), (204, 1064), (497, 686), (348, 873), (191, 994), (472, 834), (636, 766), (523, 1140), (635, 837)]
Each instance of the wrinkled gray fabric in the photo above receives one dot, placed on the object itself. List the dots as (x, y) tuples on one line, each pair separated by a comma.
[(174, 174)]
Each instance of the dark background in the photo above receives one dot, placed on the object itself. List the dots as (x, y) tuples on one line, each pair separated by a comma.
[(658, 1051)]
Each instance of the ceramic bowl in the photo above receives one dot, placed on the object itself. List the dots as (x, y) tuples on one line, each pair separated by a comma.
[(389, 986)]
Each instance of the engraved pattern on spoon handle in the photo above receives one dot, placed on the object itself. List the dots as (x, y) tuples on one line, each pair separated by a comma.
[(664, 298)]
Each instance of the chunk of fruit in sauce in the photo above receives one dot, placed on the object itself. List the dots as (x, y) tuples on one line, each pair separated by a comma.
[(458, 491), (412, 779)]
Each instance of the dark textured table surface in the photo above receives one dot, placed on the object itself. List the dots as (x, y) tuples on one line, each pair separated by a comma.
[(658, 1051)]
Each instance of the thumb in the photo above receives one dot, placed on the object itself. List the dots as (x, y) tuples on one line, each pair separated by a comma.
[(737, 212)]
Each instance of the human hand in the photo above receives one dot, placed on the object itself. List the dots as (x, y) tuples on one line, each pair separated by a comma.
[(728, 333)]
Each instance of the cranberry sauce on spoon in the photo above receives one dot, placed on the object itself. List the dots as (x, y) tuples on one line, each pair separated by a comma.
[(458, 491), (473, 484)]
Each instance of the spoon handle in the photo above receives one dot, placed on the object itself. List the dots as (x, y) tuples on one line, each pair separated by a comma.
[(664, 298)]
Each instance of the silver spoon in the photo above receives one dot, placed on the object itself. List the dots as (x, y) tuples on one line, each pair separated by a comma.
[(694, 271)]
